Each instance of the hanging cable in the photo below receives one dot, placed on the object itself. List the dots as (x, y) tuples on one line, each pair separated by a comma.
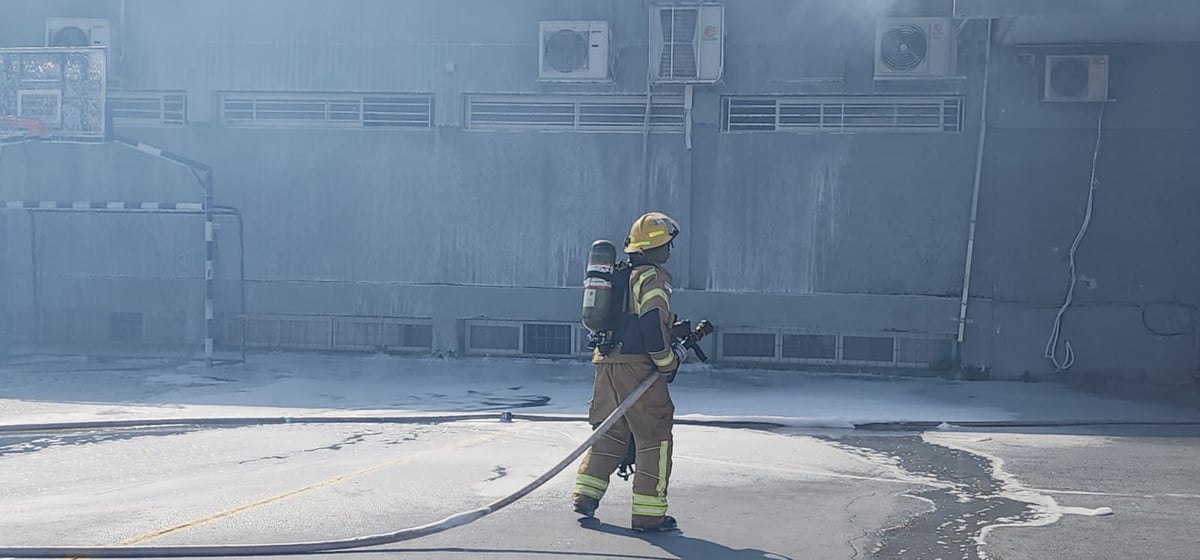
[(1056, 332)]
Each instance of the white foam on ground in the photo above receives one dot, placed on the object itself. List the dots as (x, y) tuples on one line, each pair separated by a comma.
[(827, 422), (1118, 495), (1090, 512), (900, 478), (1047, 510), (288, 384)]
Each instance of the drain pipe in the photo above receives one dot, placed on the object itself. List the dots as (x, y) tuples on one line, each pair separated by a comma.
[(644, 199), (983, 128), (36, 278)]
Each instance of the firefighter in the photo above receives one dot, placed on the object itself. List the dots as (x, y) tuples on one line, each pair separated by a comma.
[(646, 348)]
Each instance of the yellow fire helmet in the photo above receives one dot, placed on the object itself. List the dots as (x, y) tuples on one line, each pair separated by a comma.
[(651, 231)]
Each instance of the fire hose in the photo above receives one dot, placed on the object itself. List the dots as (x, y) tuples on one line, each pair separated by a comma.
[(450, 522)]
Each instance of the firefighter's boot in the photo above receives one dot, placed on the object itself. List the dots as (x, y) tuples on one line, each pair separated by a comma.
[(585, 505), (646, 524)]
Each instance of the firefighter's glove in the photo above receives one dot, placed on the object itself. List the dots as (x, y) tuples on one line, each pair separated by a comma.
[(680, 354), (679, 351)]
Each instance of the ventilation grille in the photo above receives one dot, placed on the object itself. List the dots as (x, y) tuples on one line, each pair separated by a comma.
[(380, 335), (843, 114), (327, 110), (300, 332), (748, 345), (920, 351), (868, 350), (291, 332), (502, 338), (75, 326), (525, 338), (816, 347), (547, 340), (903, 47), (783, 346), (613, 113), (678, 57), (148, 108)]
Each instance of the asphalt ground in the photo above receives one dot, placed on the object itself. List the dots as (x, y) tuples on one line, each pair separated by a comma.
[(814, 490), (737, 493)]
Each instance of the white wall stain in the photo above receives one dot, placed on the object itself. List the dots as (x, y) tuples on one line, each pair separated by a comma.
[(825, 214)]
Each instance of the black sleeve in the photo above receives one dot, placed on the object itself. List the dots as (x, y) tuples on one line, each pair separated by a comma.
[(650, 323)]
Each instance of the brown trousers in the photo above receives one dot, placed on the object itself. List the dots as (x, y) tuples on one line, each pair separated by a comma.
[(649, 420)]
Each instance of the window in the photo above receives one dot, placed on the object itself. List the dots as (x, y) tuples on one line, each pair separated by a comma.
[(318, 110), (581, 113), (843, 114), (148, 108)]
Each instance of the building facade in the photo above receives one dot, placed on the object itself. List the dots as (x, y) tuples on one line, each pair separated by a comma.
[(409, 181)]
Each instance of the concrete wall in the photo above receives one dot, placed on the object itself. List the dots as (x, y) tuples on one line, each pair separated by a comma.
[(1140, 276), (863, 233)]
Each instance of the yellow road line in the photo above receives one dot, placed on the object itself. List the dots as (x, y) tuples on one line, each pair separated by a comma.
[(273, 499)]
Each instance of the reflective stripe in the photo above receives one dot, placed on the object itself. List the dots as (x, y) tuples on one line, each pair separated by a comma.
[(655, 506), (637, 289), (595, 482), (649, 501), (588, 491), (664, 361), (590, 486), (651, 294), (649, 511), (637, 286), (651, 506), (656, 233)]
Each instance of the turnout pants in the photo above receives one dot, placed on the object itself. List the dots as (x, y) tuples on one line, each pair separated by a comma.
[(649, 421)]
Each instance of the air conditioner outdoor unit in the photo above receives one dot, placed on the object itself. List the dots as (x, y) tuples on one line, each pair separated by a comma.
[(1076, 78), (78, 32), (915, 47), (573, 51), (687, 43)]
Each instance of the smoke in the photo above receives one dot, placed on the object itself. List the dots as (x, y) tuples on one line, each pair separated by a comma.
[(1115, 5), (883, 8), (825, 13), (847, 21)]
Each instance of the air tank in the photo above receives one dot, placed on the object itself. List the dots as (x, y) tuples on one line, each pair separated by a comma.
[(598, 286)]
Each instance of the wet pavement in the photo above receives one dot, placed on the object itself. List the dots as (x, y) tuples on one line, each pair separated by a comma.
[(958, 512), (919, 490)]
